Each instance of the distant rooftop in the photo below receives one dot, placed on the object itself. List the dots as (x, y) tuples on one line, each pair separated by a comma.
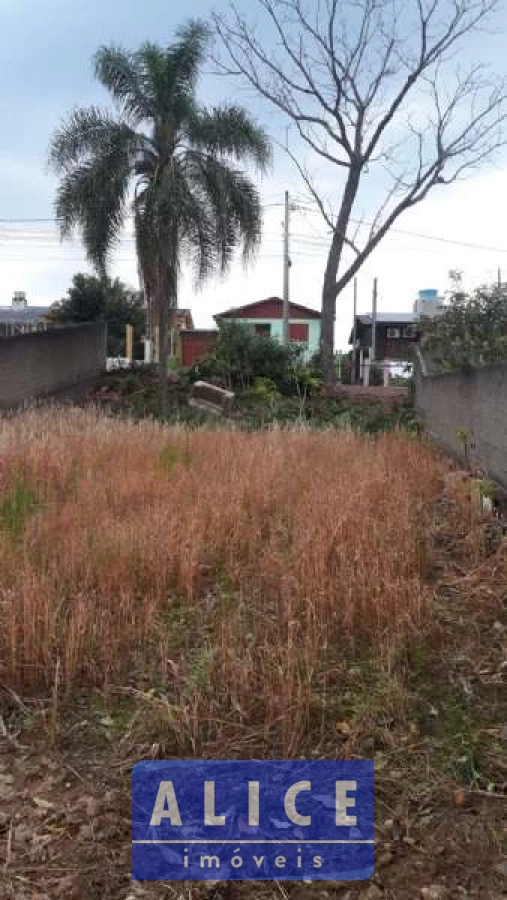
[(11, 315), (389, 318), (306, 312)]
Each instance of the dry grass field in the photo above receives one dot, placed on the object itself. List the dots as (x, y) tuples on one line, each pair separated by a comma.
[(218, 593), (230, 564)]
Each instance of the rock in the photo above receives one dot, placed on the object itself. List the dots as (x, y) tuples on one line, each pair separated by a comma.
[(460, 798), (6, 782), (72, 887), (498, 628), (210, 398), (503, 734), (107, 722), (43, 804), (434, 892), (85, 833), (23, 833), (393, 829), (109, 798), (93, 807), (343, 728), (373, 893), (384, 859)]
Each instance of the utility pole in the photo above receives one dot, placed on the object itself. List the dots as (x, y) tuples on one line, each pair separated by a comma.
[(354, 337), (374, 324), (499, 278), (286, 270)]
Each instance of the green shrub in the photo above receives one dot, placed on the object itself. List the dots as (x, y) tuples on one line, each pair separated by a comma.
[(20, 501), (265, 389), (471, 331), (241, 357)]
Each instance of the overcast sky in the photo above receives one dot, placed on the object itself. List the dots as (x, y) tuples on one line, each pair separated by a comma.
[(45, 70)]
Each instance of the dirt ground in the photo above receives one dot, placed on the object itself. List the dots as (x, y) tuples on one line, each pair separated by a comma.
[(441, 782)]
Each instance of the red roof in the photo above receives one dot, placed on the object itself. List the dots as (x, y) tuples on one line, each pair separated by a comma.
[(270, 308)]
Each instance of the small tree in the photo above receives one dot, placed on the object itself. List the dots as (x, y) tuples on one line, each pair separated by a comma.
[(370, 90), (92, 299), (472, 330), (241, 357)]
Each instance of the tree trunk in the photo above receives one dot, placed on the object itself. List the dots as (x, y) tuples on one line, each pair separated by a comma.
[(167, 299), (330, 278), (163, 350), (327, 333)]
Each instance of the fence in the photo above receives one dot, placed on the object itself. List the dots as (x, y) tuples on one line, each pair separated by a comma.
[(50, 362), (466, 413)]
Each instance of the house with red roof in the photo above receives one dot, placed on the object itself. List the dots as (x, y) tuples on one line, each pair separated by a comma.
[(264, 317)]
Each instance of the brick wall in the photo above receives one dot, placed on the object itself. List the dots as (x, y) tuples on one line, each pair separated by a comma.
[(50, 362), (194, 345), (475, 403)]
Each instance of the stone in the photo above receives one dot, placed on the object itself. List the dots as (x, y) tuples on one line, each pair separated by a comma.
[(43, 804), (373, 892), (85, 833), (434, 892), (6, 786), (210, 398)]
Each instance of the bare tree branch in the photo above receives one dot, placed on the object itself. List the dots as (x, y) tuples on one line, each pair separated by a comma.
[(369, 87)]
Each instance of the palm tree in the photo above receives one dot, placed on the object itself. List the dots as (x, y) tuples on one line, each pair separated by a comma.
[(167, 161)]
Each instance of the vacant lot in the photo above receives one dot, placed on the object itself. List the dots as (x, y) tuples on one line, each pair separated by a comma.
[(278, 594)]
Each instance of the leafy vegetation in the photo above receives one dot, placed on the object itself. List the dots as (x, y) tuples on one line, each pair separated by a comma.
[(472, 331), (90, 299), (242, 358), (15, 507), (191, 203), (133, 394)]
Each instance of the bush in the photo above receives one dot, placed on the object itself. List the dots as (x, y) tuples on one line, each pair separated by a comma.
[(92, 299), (471, 331), (241, 357)]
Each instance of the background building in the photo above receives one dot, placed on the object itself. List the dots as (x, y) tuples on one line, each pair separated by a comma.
[(19, 318)]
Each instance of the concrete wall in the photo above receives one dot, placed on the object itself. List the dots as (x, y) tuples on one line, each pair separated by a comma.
[(472, 402), (50, 362)]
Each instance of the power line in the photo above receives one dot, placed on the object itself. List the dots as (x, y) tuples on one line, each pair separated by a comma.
[(317, 241), (417, 234)]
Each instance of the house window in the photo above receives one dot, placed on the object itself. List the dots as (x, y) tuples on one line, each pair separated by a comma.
[(263, 329), (394, 333), (409, 331), (299, 331)]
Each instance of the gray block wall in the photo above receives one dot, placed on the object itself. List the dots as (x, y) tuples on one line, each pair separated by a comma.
[(474, 402), (50, 362)]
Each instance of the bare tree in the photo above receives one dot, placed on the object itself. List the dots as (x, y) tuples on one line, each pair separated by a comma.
[(379, 92)]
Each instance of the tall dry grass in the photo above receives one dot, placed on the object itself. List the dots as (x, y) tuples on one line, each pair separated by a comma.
[(232, 573)]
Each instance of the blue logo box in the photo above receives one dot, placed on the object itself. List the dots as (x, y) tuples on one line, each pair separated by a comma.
[(249, 820)]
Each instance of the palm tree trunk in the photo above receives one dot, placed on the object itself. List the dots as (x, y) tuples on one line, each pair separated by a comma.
[(163, 351), (167, 298)]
